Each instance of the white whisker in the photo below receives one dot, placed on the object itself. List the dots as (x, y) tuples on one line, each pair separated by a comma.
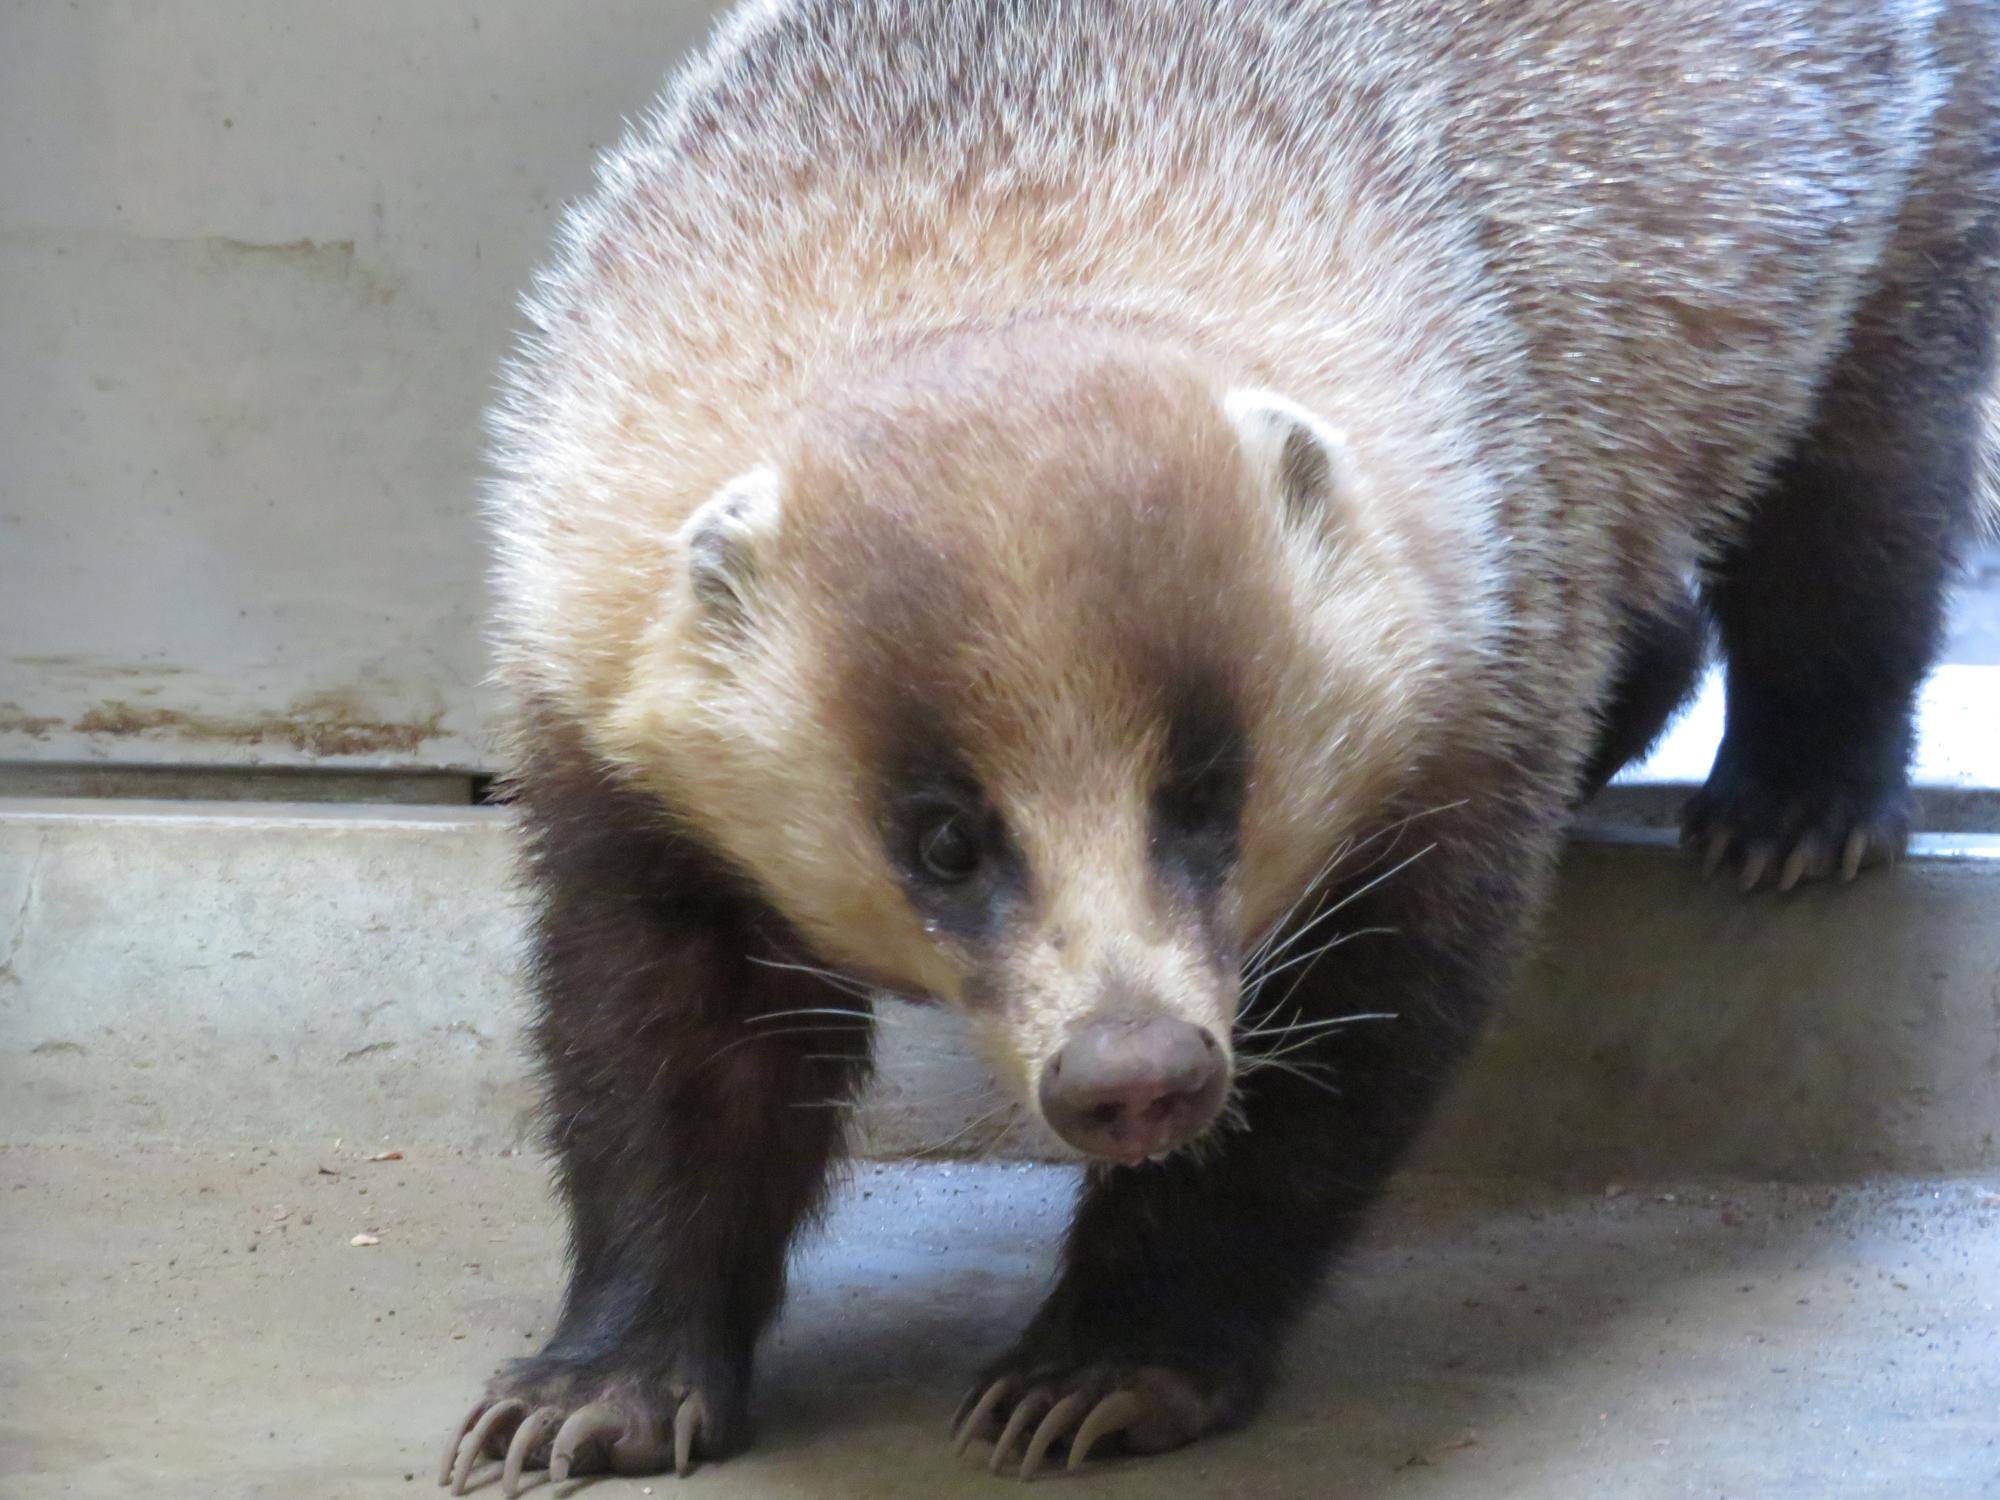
[(1004, 1107), (744, 1041), (810, 1010), (1294, 1070), (846, 983), (1295, 1028), (1356, 894), (1261, 950), (1251, 991)]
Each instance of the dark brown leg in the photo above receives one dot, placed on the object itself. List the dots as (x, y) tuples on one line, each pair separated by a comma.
[(1831, 609), (1830, 603), (693, 1084)]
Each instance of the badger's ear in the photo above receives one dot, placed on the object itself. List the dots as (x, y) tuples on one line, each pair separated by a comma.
[(1298, 456), (721, 542)]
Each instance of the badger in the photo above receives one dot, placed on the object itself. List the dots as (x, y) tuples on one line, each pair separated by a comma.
[(1139, 522)]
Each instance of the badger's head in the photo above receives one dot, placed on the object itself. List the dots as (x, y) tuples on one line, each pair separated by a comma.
[(1041, 676)]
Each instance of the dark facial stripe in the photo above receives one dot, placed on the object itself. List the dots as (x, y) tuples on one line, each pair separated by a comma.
[(1197, 811)]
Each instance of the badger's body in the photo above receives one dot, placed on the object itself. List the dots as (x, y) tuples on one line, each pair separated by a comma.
[(1036, 504)]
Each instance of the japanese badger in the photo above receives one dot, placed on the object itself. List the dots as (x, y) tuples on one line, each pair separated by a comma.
[(1069, 508)]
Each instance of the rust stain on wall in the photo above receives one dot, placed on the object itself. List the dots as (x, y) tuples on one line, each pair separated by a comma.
[(95, 666), (16, 720), (333, 260), (307, 248), (318, 724)]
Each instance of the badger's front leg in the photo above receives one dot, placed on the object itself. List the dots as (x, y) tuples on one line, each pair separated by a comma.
[(1181, 1277), (691, 1078)]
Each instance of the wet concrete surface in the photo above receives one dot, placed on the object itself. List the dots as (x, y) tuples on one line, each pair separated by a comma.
[(195, 1321)]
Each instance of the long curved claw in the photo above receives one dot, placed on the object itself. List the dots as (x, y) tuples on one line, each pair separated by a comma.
[(1032, 1405), (457, 1437), (586, 1425), (1808, 856), (1852, 856), (1061, 1418), (526, 1436), (982, 1413), (1114, 1413), (476, 1440), (688, 1423), (966, 1403), (1756, 860), (462, 1462), (1718, 846)]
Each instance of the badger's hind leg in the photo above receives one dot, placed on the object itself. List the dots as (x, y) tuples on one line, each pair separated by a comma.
[(1830, 604), (1830, 609)]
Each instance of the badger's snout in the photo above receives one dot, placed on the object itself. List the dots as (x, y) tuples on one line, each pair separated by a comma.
[(1133, 1087)]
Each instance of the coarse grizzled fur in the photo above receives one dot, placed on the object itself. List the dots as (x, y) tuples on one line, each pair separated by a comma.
[(1253, 467)]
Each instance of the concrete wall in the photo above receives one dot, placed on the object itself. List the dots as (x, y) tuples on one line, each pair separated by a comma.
[(257, 265)]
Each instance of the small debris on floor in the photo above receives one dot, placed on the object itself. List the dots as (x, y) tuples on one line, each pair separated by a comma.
[(366, 1239), (1423, 1460)]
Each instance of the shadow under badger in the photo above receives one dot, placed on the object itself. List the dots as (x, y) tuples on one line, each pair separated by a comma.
[(1136, 521)]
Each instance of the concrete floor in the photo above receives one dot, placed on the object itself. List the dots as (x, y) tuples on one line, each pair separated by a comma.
[(186, 1322)]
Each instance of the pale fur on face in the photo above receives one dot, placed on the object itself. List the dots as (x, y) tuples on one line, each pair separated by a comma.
[(1040, 532)]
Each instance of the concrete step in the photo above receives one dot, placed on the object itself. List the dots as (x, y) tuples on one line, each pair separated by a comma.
[(174, 972)]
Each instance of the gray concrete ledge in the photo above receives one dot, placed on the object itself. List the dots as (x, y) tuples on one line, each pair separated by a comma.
[(179, 972), (71, 779)]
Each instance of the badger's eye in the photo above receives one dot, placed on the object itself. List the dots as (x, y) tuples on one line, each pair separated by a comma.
[(949, 848)]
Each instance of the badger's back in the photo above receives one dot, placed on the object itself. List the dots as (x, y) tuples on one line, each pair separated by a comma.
[(1567, 271)]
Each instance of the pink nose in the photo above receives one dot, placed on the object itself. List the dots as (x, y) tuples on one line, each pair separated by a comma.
[(1130, 1088)]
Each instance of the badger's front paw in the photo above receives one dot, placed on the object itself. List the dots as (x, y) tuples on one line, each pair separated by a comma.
[(1767, 829), (1044, 1396), (574, 1417)]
